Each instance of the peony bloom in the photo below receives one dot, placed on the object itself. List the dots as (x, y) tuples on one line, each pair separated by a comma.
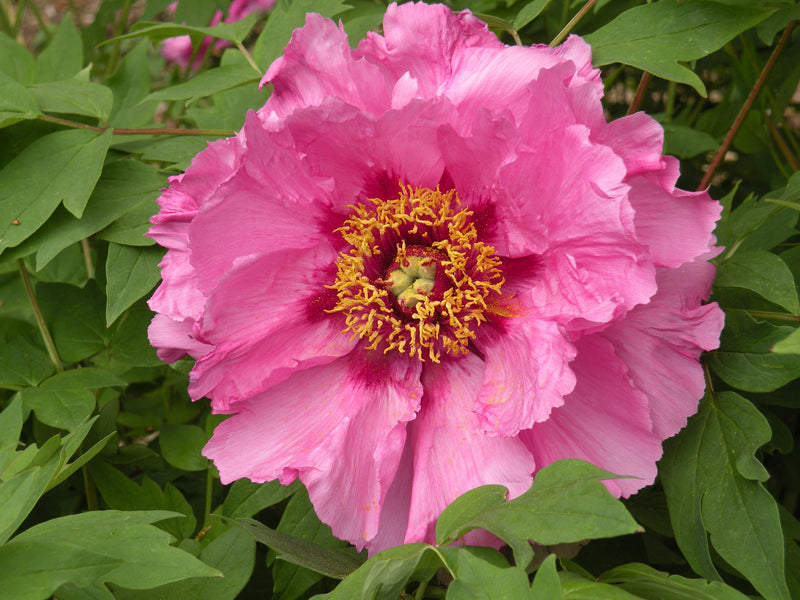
[(179, 49), (430, 264)]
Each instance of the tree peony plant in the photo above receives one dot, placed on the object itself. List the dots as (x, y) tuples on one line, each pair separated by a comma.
[(429, 264)]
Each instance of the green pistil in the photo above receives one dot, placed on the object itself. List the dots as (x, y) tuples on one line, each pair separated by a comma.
[(411, 280)]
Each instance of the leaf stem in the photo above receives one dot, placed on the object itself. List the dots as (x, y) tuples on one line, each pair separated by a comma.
[(90, 488), (784, 148), (774, 316), (87, 257), (572, 22), (119, 28), (640, 91), (209, 492), (48, 340), (249, 58), (748, 103), (154, 131)]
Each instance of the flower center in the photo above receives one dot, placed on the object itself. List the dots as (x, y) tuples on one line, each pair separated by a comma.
[(416, 279)]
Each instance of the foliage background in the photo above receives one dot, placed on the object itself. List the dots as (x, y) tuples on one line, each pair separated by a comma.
[(103, 490)]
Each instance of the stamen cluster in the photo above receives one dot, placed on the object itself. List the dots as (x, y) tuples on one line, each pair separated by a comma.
[(441, 319)]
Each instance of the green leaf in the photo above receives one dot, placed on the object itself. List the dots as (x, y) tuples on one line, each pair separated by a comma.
[(713, 483), (687, 142), (465, 508), (655, 37), (299, 520), (123, 186), (65, 400), (567, 503), (23, 359), (745, 359), (63, 56), (131, 272), (181, 446), (333, 563), (788, 345), (92, 548), (59, 167), (128, 345), (645, 581), (207, 83), (232, 553), (20, 492), (75, 317), (385, 575), (246, 498), (284, 20), (479, 579), (157, 32), (130, 84), (546, 585), (16, 102), (74, 96), (763, 273), (529, 12), (574, 587), (18, 62)]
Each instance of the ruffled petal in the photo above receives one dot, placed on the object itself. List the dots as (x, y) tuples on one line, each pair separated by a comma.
[(605, 421), (660, 343), (425, 41), (451, 454), (266, 319), (318, 64), (527, 374), (175, 338), (689, 217), (340, 427)]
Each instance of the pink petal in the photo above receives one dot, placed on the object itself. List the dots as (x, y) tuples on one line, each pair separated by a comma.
[(425, 41), (175, 339), (604, 421), (318, 64), (661, 341), (451, 454), (340, 427), (689, 217), (527, 373), (266, 321)]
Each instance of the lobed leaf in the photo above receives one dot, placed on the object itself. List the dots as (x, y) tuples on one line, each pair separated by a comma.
[(655, 37), (713, 483), (59, 167)]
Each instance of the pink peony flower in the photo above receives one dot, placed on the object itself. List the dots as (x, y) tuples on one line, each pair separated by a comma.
[(430, 264), (179, 50)]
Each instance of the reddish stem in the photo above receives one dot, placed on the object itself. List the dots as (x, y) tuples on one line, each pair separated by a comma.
[(748, 103), (640, 90)]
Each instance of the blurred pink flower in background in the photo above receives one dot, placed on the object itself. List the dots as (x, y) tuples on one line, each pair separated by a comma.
[(179, 49), (430, 264)]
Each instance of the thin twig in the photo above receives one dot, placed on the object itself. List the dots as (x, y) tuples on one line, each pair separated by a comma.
[(640, 91), (572, 22), (787, 153), (748, 103)]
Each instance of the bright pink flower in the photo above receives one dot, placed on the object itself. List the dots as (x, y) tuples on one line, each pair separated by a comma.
[(430, 264), (179, 49)]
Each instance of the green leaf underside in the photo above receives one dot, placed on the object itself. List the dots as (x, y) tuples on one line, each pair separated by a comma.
[(333, 563)]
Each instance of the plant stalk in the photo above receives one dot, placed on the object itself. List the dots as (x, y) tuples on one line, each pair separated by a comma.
[(48, 340)]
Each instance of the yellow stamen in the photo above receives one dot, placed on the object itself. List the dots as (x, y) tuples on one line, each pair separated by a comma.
[(431, 323)]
